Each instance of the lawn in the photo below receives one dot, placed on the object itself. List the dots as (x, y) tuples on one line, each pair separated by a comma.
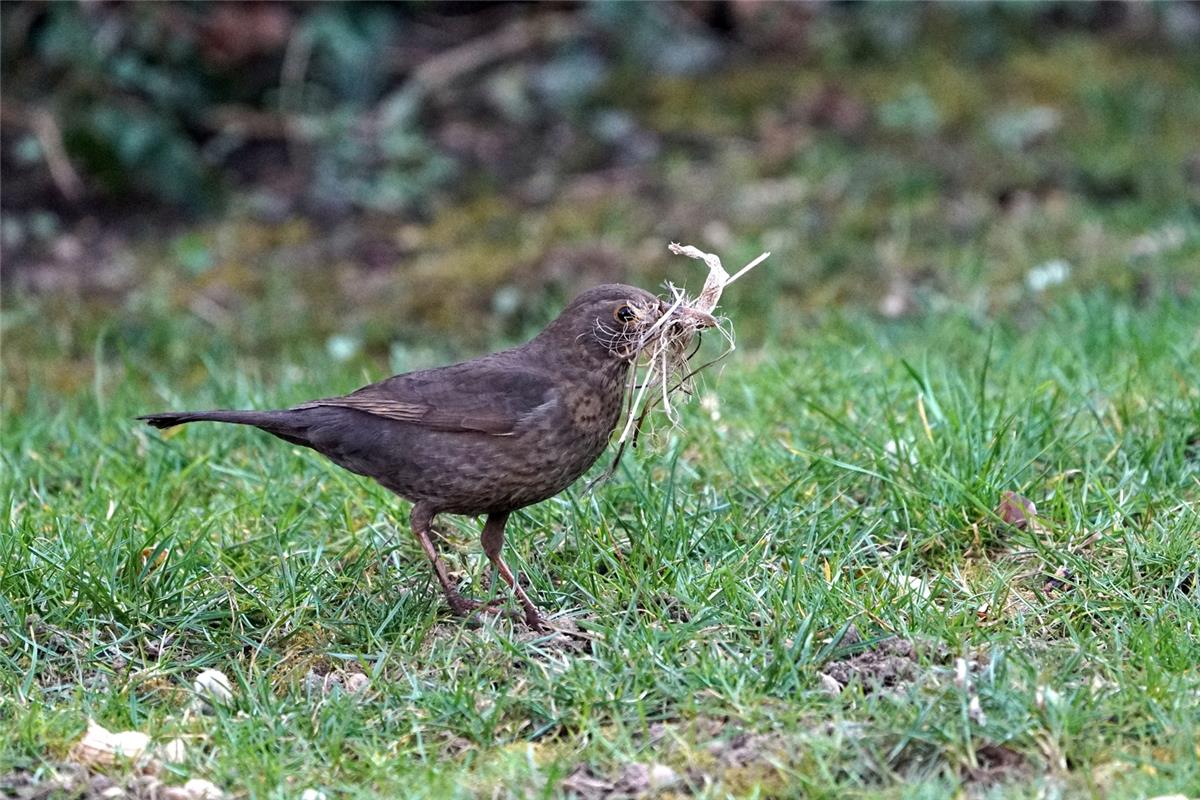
[(825, 514), (827, 581)]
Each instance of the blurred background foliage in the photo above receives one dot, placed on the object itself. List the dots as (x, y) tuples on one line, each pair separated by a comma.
[(368, 174)]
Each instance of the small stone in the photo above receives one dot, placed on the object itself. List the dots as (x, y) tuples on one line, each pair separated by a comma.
[(356, 683), (975, 711), (851, 637), (99, 783), (315, 682), (200, 789), (145, 786), (662, 777), (112, 793), (174, 751), (829, 684), (101, 746), (213, 687), (639, 780), (312, 794), (1045, 697)]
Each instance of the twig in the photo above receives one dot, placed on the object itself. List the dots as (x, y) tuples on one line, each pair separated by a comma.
[(747, 268), (515, 37), (250, 123), (49, 136), (435, 73), (296, 58)]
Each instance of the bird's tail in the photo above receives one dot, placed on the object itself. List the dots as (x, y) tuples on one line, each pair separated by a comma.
[(286, 425)]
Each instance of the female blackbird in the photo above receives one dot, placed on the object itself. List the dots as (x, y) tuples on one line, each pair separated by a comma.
[(487, 436)]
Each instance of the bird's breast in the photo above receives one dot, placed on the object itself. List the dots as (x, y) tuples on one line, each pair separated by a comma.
[(594, 403)]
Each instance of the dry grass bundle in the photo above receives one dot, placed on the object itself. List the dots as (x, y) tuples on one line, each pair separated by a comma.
[(664, 351)]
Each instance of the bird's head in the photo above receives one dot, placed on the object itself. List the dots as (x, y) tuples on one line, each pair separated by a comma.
[(616, 321)]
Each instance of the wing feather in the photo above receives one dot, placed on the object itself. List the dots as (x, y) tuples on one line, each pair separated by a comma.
[(485, 398)]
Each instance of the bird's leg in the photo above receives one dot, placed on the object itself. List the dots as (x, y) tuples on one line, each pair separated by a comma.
[(422, 520), (493, 542)]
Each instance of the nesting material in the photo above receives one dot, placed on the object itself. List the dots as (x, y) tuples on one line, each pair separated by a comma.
[(662, 353)]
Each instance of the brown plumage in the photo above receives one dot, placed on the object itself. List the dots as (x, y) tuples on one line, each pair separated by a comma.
[(487, 436)]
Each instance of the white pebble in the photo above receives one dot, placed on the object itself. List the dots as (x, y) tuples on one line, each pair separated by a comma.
[(101, 746), (174, 751), (213, 686), (356, 682), (829, 684), (662, 777), (200, 789), (1051, 273)]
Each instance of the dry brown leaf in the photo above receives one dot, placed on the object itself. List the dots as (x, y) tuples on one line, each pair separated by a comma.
[(1016, 510), (159, 559)]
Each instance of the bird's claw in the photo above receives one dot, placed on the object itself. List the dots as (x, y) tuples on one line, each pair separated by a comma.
[(470, 609), (466, 606)]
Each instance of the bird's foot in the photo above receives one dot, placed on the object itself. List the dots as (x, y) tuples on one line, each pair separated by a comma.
[(471, 610), (534, 620), (466, 607)]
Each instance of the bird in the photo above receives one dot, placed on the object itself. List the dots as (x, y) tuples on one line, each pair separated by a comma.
[(488, 436)]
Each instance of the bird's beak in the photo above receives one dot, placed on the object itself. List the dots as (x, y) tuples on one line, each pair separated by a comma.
[(688, 316), (700, 319)]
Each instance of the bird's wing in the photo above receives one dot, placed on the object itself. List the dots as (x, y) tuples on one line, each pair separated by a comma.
[(493, 399)]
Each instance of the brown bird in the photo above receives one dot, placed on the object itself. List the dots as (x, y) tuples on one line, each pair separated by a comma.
[(487, 436)]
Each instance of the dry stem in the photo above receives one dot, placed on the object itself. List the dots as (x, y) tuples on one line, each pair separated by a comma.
[(663, 349)]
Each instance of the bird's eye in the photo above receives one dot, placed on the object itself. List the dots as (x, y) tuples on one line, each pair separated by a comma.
[(624, 313)]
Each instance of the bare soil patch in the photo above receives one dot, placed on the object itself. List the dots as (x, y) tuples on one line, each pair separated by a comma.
[(891, 664)]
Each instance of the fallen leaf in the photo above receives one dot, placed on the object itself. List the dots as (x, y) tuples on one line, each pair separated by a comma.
[(159, 559), (1016, 510)]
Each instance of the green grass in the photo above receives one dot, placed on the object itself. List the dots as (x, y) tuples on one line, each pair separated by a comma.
[(717, 572), (842, 476)]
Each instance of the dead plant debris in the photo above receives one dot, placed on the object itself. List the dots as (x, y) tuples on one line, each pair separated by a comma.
[(664, 348), (995, 764), (355, 683), (631, 781), (1016, 510), (662, 353), (890, 664)]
